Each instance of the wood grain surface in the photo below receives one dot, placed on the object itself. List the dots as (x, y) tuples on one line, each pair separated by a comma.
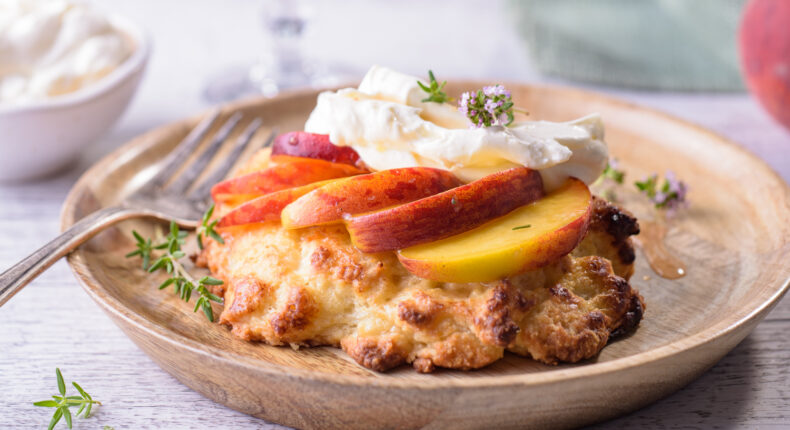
[(722, 296), (53, 323)]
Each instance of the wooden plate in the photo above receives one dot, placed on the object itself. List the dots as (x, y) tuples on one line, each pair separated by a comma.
[(734, 240)]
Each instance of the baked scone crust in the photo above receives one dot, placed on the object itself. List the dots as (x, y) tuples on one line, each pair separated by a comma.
[(311, 287)]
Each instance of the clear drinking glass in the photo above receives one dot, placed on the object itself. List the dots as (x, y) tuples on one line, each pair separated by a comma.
[(283, 66)]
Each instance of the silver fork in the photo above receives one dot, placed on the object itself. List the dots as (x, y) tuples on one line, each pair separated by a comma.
[(165, 196)]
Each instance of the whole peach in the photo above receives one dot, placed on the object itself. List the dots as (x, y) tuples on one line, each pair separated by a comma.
[(764, 44)]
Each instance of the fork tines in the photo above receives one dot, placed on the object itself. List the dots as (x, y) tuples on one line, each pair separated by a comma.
[(179, 183)]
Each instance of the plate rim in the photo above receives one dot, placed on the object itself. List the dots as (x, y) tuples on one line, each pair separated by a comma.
[(111, 305)]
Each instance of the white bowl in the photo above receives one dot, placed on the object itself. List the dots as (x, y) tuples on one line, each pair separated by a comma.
[(41, 137)]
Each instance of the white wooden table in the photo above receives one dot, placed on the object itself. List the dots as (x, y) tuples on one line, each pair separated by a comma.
[(53, 323)]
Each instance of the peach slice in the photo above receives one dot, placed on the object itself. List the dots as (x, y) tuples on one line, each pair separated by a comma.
[(366, 193), (311, 145), (527, 238), (445, 214), (267, 207), (286, 172)]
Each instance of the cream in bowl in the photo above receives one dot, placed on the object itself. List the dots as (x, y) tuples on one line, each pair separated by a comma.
[(67, 72), (53, 48)]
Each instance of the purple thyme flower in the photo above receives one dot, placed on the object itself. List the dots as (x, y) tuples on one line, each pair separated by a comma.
[(463, 104), (676, 190), (659, 198), (491, 106), (671, 195), (487, 107), (495, 90), (676, 186)]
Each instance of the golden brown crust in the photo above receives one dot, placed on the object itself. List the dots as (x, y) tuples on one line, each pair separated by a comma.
[(420, 311), (496, 323), (461, 350), (377, 354), (312, 287), (295, 316), (576, 315), (247, 295), (609, 236)]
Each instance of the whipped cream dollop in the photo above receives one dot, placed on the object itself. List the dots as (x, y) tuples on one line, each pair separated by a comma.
[(49, 48), (386, 122)]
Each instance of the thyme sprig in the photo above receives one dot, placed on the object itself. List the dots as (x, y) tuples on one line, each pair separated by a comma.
[(184, 284), (487, 107), (492, 105), (144, 249), (207, 228), (612, 172), (435, 90), (62, 403), (671, 195), (611, 177)]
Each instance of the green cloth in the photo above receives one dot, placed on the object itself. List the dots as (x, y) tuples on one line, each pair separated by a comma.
[(653, 44)]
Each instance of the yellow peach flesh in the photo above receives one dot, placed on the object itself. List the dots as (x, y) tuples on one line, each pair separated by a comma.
[(557, 222)]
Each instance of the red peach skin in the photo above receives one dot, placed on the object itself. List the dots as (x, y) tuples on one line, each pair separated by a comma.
[(287, 172), (311, 145), (445, 214), (267, 207), (366, 193)]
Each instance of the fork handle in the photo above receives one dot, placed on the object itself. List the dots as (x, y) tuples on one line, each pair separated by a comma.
[(20, 274)]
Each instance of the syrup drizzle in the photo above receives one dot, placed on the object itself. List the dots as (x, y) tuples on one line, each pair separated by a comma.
[(651, 240)]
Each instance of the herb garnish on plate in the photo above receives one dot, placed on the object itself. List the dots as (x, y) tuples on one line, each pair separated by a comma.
[(182, 281), (487, 107)]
